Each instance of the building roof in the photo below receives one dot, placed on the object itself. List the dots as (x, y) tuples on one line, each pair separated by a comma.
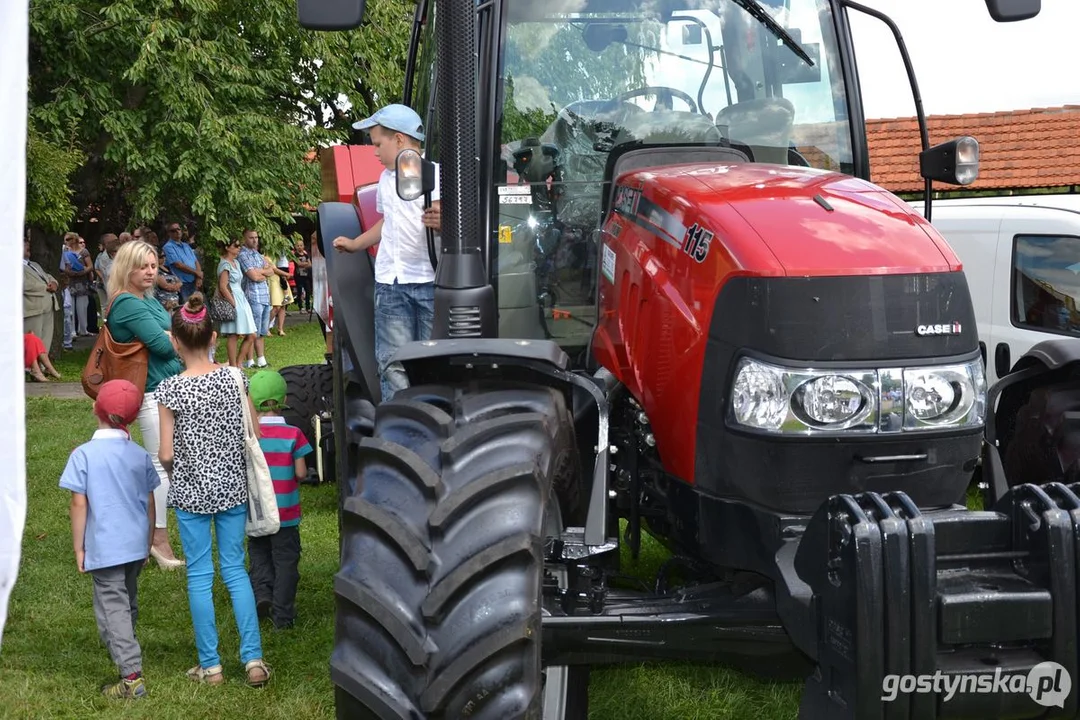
[(1034, 148)]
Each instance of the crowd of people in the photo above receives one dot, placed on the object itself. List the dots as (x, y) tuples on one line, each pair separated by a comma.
[(191, 409), (262, 290)]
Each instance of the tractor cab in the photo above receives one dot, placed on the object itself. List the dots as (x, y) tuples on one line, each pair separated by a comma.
[(578, 84)]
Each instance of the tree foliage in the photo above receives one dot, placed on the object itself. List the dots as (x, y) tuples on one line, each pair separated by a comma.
[(50, 166), (196, 109), (550, 65)]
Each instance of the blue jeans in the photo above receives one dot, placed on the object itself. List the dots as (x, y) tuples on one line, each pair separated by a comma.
[(403, 313), (195, 539), (187, 289), (69, 325), (261, 313)]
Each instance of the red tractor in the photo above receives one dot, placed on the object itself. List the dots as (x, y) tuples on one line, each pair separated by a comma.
[(669, 301)]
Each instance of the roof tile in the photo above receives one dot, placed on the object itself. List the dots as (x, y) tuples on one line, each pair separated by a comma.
[(1036, 147)]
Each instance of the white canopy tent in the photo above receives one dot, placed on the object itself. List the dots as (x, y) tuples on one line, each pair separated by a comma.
[(14, 29)]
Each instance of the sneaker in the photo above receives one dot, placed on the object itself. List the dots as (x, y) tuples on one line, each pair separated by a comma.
[(125, 689)]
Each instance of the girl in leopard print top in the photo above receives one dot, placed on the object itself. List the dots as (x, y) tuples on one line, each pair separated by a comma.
[(202, 447)]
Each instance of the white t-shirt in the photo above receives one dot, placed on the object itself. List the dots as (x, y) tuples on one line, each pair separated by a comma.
[(403, 251)]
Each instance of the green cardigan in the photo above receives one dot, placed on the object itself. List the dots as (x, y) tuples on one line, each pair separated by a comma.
[(147, 320)]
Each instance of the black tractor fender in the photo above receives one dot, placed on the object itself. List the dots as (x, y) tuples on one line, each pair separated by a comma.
[(1052, 354), (352, 284), (541, 362), (1046, 364)]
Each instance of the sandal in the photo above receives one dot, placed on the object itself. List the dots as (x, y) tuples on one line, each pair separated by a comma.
[(210, 676), (258, 673)]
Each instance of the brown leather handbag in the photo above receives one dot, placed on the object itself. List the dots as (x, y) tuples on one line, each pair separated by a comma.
[(112, 360)]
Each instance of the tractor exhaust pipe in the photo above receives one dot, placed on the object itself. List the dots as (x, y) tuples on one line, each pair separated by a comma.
[(464, 299)]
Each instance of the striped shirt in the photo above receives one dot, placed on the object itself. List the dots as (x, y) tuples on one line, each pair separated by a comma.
[(283, 444)]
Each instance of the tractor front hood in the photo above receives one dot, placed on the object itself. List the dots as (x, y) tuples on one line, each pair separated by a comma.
[(813, 222)]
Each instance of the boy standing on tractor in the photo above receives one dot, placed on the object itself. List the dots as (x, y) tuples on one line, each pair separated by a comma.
[(112, 481), (275, 559), (404, 278)]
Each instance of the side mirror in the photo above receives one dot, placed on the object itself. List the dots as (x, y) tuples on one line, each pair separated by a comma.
[(1013, 10), (415, 176), (955, 162), (330, 14)]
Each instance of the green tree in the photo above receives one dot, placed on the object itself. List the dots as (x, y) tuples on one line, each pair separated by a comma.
[(556, 59), (48, 189), (142, 110)]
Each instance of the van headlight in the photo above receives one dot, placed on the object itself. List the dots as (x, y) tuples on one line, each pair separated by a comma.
[(778, 399)]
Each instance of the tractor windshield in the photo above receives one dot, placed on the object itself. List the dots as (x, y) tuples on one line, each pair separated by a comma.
[(581, 77)]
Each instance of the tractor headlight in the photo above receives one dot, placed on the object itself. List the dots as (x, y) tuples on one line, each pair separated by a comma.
[(778, 399), (832, 401), (954, 395), (758, 398)]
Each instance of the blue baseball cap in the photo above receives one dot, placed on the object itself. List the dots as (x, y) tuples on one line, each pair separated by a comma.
[(399, 118)]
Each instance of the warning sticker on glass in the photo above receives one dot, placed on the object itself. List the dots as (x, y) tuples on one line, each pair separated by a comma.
[(608, 266), (506, 235)]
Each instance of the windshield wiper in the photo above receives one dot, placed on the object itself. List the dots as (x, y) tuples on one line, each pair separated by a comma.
[(762, 16)]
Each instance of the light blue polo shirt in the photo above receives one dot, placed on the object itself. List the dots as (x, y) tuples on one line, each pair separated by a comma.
[(117, 476)]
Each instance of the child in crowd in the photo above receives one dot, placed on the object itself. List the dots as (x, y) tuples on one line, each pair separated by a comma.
[(275, 559), (203, 450), (112, 481), (404, 278)]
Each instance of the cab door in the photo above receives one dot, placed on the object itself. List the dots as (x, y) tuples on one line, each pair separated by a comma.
[(1037, 284)]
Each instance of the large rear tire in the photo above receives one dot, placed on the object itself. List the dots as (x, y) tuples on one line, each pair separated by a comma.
[(439, 592), (311, 392)]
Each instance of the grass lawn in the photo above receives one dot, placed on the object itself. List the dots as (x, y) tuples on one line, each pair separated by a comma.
[(52, 661)]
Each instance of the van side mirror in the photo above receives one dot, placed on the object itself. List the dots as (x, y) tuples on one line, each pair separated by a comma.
[(1013, 10), (955, 162), (415, 176), (330, 14)]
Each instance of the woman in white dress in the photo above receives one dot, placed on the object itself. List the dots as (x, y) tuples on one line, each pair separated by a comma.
[(320, 294), (230, 287)]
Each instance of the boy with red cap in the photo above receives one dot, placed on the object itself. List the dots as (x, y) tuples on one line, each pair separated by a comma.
[(112, 481)]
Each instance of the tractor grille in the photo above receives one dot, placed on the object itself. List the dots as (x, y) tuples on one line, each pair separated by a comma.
[(868, 317)]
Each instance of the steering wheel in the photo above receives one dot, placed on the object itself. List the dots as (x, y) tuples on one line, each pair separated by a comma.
[(598, 120), (663, 94)]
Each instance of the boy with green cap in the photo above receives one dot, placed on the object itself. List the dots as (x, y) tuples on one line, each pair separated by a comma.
[(275, 559)]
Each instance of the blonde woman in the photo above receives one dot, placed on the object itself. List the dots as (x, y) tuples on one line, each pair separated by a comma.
[(135, 313)]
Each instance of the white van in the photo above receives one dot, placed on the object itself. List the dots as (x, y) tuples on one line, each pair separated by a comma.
[(1021, 256)]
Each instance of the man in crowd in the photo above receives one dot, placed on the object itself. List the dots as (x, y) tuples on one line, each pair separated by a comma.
[(40, 301), (180, 259)]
